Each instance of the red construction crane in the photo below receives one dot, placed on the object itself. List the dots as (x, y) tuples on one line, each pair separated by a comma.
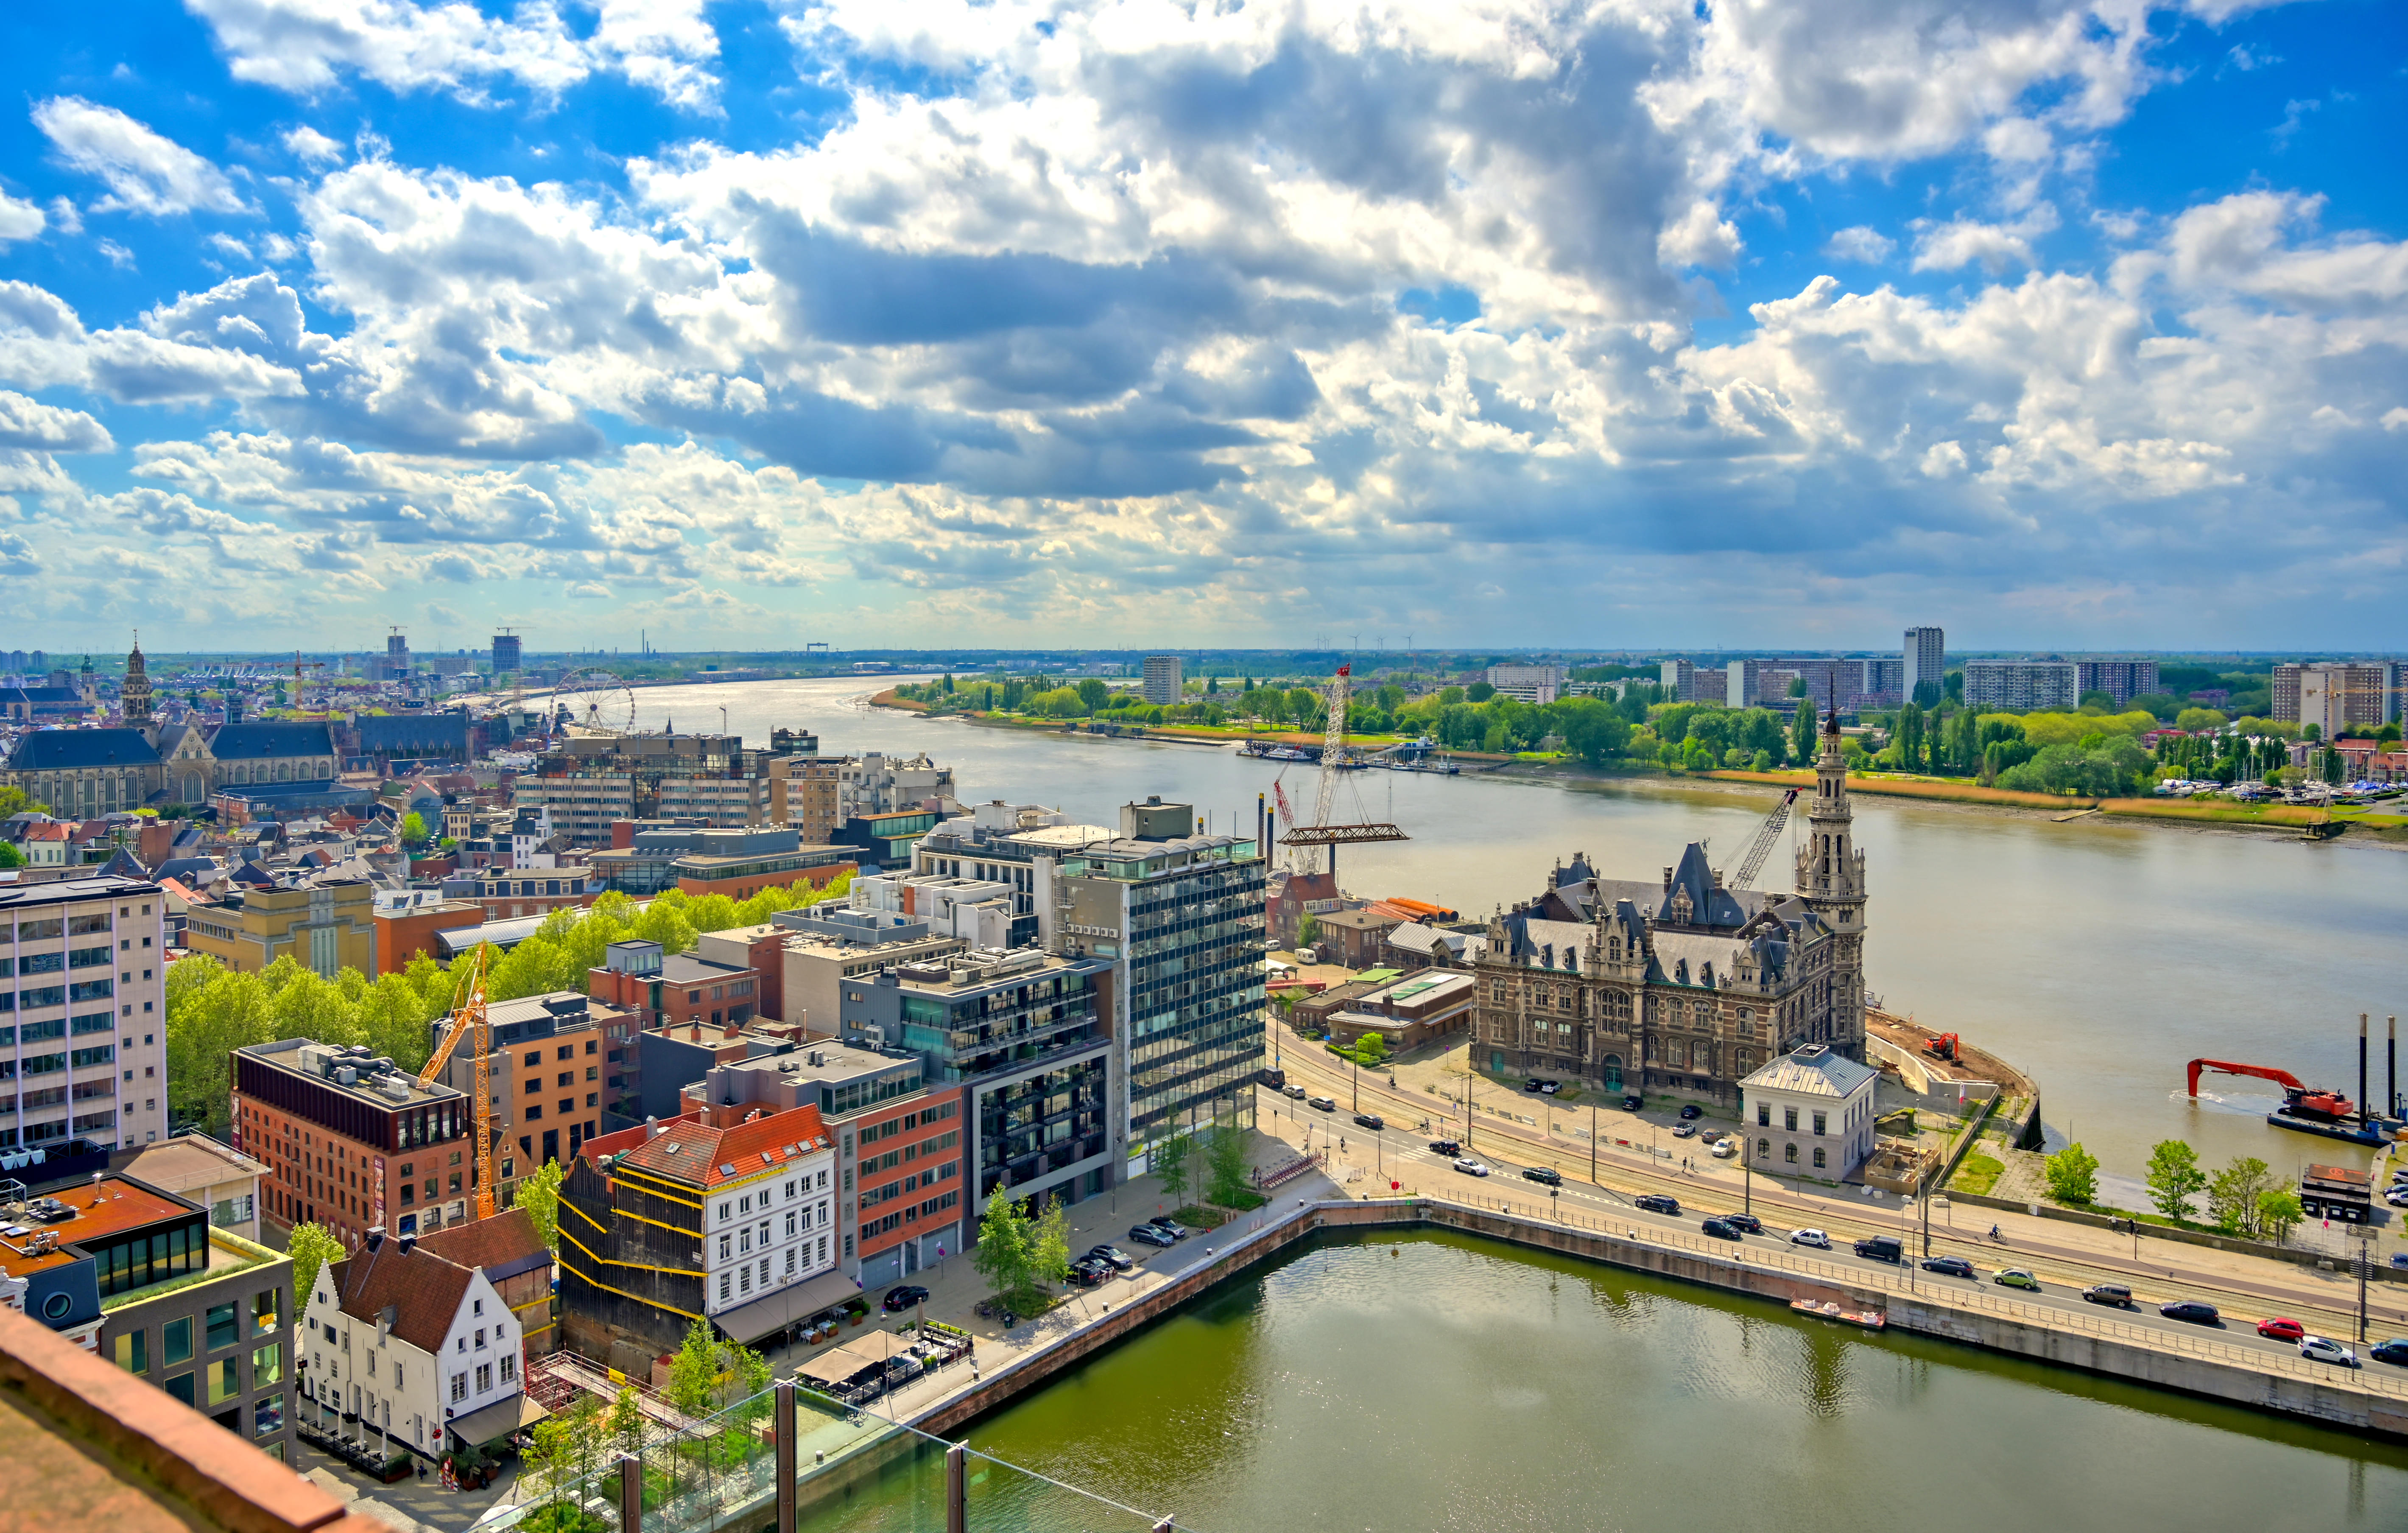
[(2298, 1100)]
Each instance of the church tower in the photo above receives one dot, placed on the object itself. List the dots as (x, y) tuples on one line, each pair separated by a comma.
[(135, 693), (1831, 880)]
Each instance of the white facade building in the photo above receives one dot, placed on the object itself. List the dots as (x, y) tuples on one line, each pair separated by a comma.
[(881, 784), (403, 1345), (1527, 683), (767, 1227), (978, 910), (1809, 1114), (86, 1040), (2020, 686)]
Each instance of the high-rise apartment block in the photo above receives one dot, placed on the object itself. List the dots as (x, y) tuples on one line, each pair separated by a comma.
[(506, 655), (1527, 683), (85, 1045), (1926, 663), (1165, 678), (2122, 679), (2022, 686), (2332, 695)]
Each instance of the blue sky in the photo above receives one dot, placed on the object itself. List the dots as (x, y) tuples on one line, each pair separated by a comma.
[(1045, 321)]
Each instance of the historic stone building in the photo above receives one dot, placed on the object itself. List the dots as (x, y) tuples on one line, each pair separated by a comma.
[(1682, 985)]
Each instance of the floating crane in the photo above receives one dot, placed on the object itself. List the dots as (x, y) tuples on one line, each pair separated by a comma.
[(1761, 847), (1325, 831), (2299, 1101), (467, 1014)]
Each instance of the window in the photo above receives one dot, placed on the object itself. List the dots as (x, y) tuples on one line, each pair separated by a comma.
[(790, 1261), (1818, 1128), (180, 1389), (744, 1278), (480, 1338), (267, 1309), (267, 1365), (459, 1388), (133, 1352), (267, 1416), (1764, 1115), (224, 1331), (510, 1368), (484, 1377), (1789, 1153), (1818, 1154), (175, 1341), (1764, 1147), (723, 1281), (226, 1381), (1789, 1119), (726, 1247)]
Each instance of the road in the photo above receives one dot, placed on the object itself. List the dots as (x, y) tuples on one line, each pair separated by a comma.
[(2064, 1268)]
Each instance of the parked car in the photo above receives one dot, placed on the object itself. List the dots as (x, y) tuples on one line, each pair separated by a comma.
[(1469, 1166), (1171, 1226), (1297, 1092), (2393, 1351), (2016, 1276), (1369, 1119), (1322, 1104), (2321, 1349), (1953, 1267), (1721, 1229), (1658, 1203), (2398, 1196), (1633, 1104), (1549, 1088), (1684, 1131), (2192, 1311), (1148, 1235), (1445, 1147), (1747, 1222), (2280, 1329), (1814, 1238), (1534, 1083), (1112, 1257), (1546, 1174), (1087, 1273), (2109, 1293), (1691, 1110), (901, 1298), (1726, 1148)]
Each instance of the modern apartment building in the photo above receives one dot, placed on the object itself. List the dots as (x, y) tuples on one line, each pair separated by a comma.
[(817, 968), (901, 1148), (730, 1213), (325, 928), (1179, 919), (1527, 683), (2334, 695), (588, 783), (2122, 679), (1688, 683), (352, 1142), (1027, 1035), (546, 1073), (2022, 686), (1165, 680), (84, 1039), (1758, 684), (1003, 844), (508, 649), (883, 784), (1927, 665)]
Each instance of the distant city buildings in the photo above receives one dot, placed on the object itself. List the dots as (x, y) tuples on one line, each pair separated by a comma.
[(1165, 679), (1527, 683), (2022, 686), (1927, 665), (506, 655), (2120, 679), (2334, 695)]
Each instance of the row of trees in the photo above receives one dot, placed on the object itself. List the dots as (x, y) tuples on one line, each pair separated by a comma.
[(2244, 1200), (1021, 1256), (213, 1011)]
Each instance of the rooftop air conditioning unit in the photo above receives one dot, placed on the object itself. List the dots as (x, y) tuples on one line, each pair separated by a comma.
[(346, 1076)]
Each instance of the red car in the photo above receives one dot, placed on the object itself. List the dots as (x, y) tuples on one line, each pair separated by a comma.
[(2281, 1329)]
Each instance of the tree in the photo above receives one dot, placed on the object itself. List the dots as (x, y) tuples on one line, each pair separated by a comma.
[(693, 1372), (1480, 692), (2175, 1178), (2278, 1214), (1093, 692), (627, 1423), (11, 856), (1003, 1256), (2232, 1196), (1225, 1160), (2073, 1175), (1308, 930), (413, 828), (1802, 740), (1170, 1164), (1049, 1244), (1370, 1049), (539, 1194), (311, 1245)]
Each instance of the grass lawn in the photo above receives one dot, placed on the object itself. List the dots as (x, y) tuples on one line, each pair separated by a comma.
[(1977, 1174)]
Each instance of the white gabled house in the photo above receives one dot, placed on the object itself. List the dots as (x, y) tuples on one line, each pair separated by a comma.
[(406, 1349)]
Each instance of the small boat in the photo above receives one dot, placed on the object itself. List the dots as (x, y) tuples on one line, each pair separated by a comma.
[(1871, 1320)]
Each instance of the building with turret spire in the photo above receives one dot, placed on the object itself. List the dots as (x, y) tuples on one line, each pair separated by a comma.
[(134, 696), (1682, 985)]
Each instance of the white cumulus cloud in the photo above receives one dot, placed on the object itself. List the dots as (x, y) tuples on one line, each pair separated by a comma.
[(145, 172)]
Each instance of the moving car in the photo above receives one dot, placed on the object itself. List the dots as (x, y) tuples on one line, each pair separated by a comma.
[(1369, 1119), (1297, 1092), (1658, 1203), (2192, 1311), (1322, 1104), (2281, 1329), (1445, 1147), (2320, 1349), (1692, 1109), (901, 1298), (1747, 1222), (1112, 1257), (1686, 1131), (2393, 1351), (1882, 1248), (2109, 1293), (1469, 1166), (1171, 1226), (1721, 1229), (1546, 1174), (2016, 1276), (1814, 1238), (1954, 1266), (1273, 1077), (1148, 1235)]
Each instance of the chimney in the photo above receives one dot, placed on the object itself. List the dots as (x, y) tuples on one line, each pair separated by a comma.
[(651, 1127), (408, 1244), (376, 1237)]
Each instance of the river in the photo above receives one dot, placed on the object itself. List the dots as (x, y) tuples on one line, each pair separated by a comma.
[(2098, 956), (1441, 1381)]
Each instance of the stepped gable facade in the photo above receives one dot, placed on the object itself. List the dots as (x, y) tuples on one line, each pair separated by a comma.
[(1680, 986)]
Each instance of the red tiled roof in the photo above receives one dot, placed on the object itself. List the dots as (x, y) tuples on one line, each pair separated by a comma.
[(425, 1290), (508, 1239), (701, 1155)]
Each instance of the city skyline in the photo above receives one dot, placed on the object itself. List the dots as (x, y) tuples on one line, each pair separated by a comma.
[(2063, 328)]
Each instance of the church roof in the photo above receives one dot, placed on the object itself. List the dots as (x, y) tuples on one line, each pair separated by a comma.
[(79, 749), (253, 741)]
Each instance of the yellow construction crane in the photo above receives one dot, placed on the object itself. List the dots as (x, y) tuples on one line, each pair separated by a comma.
[(466, 1015)]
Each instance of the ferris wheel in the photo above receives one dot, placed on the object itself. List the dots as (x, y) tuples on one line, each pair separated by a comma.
[(593, 701)]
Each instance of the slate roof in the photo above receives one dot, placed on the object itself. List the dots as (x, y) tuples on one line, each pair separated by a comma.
[(443, 733), (425, 1290), (698, 1154), (1815, 1070), (252, 742), (78, 750)]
